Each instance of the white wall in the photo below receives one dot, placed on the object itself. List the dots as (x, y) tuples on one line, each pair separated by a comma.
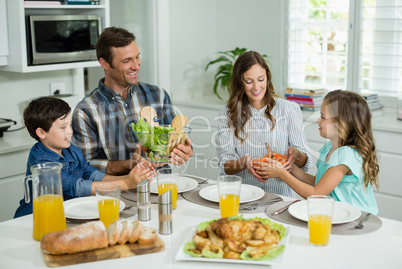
[(16, 89), (199, 29)]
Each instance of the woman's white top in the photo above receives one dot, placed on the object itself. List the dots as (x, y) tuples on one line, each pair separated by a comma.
[(288, 131)]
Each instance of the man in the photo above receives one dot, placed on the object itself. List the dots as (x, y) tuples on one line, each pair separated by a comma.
[(101, 121)]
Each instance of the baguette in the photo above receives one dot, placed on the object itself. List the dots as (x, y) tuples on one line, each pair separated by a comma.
[(113, 232), (137, 231), (148, 236), (126, 233), (87, 236)]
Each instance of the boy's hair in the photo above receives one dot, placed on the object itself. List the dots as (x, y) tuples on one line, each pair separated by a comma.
[(352, 116), (42, 112)]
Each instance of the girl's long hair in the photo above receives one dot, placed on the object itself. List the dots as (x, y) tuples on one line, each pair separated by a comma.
[(238, 109), (352, 117)]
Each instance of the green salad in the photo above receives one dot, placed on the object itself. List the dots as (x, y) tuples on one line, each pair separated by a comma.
[(153, 140), (272, 253)]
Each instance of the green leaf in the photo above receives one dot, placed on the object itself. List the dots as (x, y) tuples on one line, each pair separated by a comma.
[(269, 255)]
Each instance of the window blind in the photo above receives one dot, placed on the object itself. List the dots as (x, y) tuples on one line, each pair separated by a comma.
[(355, 45), (380, 60)]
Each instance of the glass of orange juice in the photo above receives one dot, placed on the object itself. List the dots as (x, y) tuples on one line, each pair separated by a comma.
[(168, 179), (108, 196), (229, 195), (320, 211)]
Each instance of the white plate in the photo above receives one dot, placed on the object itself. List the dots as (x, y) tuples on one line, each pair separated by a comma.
[(185, 184), (248, 193), (84, 208), (183, 256), (343, 212)]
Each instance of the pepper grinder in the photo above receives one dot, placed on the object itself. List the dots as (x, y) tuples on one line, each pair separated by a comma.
[(165, 208), (144, 200)]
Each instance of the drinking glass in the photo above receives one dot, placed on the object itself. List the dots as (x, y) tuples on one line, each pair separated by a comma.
[(168, 179), (229, 195), (108, 196), (320, 211)]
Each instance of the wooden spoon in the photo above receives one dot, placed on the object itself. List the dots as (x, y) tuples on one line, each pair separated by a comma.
[(149, 113), (177, 136), (269, 150)]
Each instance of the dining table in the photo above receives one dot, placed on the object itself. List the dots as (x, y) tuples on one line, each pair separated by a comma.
[(381, 248)]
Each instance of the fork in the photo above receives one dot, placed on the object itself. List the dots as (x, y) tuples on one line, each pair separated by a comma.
[(254, 206), (360, 224)]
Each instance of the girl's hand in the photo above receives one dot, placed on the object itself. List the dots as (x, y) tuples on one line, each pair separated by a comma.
[(269, 168), (251, 169), (141, 171)]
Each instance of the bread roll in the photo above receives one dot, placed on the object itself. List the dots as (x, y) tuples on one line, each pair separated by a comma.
[(137, 231), (126, 233), (113, 232), (148, 236), (87, 236)]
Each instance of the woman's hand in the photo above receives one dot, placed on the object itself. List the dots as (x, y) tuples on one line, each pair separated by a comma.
[(292, 156), (252, 169)]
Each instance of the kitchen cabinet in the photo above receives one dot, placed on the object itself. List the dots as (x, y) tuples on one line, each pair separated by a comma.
[(17, 14), (3, 34), (14, 151), (387, 134)]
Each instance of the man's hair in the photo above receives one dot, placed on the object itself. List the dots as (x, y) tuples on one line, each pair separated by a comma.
[(42, 112), (112, 37)]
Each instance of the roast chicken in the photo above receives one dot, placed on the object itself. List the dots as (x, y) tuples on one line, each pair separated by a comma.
[(232, 237)]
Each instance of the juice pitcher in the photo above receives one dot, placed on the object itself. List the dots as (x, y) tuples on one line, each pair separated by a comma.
[(47, 195)]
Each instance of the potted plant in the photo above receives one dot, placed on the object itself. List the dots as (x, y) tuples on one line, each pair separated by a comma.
[(224, 71)]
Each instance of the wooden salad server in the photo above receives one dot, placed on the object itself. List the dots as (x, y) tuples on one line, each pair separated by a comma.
[(149, 114), (177, 136), (269, 150)]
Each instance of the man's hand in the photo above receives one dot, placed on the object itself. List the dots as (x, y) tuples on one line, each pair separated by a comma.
[(182, 153)]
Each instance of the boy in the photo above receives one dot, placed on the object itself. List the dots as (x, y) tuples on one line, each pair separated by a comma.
[(48, 120)]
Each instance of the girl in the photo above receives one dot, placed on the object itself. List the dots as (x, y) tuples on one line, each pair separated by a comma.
[(347, 166), (254, 116)]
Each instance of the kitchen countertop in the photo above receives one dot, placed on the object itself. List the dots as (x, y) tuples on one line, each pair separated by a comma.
[(383, 122), (16, 141), (21, 140)]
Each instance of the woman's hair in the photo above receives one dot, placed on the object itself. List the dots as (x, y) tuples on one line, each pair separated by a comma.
[(238, 109), (112, 37), (42, 112), (352, 117)]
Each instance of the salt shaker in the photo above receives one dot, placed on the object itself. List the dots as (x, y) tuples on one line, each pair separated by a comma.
[(165, 213), (144, 200)]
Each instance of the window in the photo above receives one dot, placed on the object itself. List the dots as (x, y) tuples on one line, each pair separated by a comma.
[(348, 44)]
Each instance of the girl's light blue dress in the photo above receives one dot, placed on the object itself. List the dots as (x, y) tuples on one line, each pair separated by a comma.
[(351, 189)]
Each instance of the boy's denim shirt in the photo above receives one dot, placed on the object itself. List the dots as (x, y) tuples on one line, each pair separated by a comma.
[(77, 174)]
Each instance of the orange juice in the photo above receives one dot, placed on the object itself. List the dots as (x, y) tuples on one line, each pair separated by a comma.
[(319, 227), (48, 215), (162, 188), (229, 205), (109, 211)]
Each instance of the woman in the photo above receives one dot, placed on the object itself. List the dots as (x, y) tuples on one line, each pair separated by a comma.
[(253, 116)]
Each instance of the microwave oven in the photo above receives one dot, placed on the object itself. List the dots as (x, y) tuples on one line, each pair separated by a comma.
[(61, 39)]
